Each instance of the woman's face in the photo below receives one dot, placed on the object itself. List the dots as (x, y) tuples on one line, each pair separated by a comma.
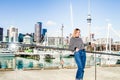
[(77, 33)]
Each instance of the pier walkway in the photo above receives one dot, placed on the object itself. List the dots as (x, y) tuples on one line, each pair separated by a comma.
[(103, 73)]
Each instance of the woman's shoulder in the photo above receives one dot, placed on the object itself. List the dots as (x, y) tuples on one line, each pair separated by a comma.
[(74, 38)]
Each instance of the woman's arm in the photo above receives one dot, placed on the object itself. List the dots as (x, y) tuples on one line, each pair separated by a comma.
[(71, 45)]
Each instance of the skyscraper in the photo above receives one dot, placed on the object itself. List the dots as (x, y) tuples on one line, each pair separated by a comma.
[(38, 28), (1, 34), (44, 31), (20, 37), (12, 33)]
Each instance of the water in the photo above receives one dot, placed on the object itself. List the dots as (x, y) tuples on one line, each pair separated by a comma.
[(24, 63), (7, 62), (59, 61)]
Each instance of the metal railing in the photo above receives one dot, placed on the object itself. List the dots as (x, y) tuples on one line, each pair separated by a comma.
[(56, 63)]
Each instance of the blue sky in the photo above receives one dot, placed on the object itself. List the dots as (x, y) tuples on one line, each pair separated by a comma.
[(24, 14)]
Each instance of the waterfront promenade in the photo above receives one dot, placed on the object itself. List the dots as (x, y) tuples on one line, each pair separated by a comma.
[(103, 73)]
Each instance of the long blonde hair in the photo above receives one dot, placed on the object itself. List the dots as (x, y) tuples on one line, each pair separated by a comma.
[(75, 31)]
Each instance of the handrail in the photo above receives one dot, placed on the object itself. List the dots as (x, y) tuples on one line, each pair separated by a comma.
[(57, 48)]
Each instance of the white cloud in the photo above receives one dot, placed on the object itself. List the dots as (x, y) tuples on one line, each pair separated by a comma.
[(51, 23)]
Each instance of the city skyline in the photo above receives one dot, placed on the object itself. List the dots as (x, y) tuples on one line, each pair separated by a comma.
[(24, 14)]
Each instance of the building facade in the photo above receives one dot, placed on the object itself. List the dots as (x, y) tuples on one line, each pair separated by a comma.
[(27, 39), (44, 32), (12, 34), (1, 34), (37, 35), (55, 41)]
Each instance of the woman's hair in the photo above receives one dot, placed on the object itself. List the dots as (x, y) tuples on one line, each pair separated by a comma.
[(75, 31)]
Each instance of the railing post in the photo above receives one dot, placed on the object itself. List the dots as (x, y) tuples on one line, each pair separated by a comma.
[(95, 64)]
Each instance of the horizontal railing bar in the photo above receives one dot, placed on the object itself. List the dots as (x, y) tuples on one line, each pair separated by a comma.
[(57, 48)]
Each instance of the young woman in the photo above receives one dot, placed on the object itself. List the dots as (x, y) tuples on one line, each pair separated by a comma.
[(77, 45)]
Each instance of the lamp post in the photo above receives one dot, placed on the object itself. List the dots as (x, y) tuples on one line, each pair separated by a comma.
[(61, 56), (62, 35)]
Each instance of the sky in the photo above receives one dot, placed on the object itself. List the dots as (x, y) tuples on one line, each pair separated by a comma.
[(24, 14)]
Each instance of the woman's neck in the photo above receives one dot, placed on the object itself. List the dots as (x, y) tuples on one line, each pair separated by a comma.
[(77, 37)]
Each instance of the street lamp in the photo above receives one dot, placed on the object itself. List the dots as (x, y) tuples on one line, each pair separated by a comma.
[(62, 34)]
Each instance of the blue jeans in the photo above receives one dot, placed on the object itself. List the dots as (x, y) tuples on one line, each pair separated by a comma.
[(80, 58)]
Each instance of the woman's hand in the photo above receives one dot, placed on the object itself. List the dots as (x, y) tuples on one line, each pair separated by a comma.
[(77, 49)]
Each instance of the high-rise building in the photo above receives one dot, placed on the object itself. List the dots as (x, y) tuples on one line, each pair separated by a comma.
[(32, 35), (20, 37), (12, 33), (38, 28), (44, 31), (1, 34)]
